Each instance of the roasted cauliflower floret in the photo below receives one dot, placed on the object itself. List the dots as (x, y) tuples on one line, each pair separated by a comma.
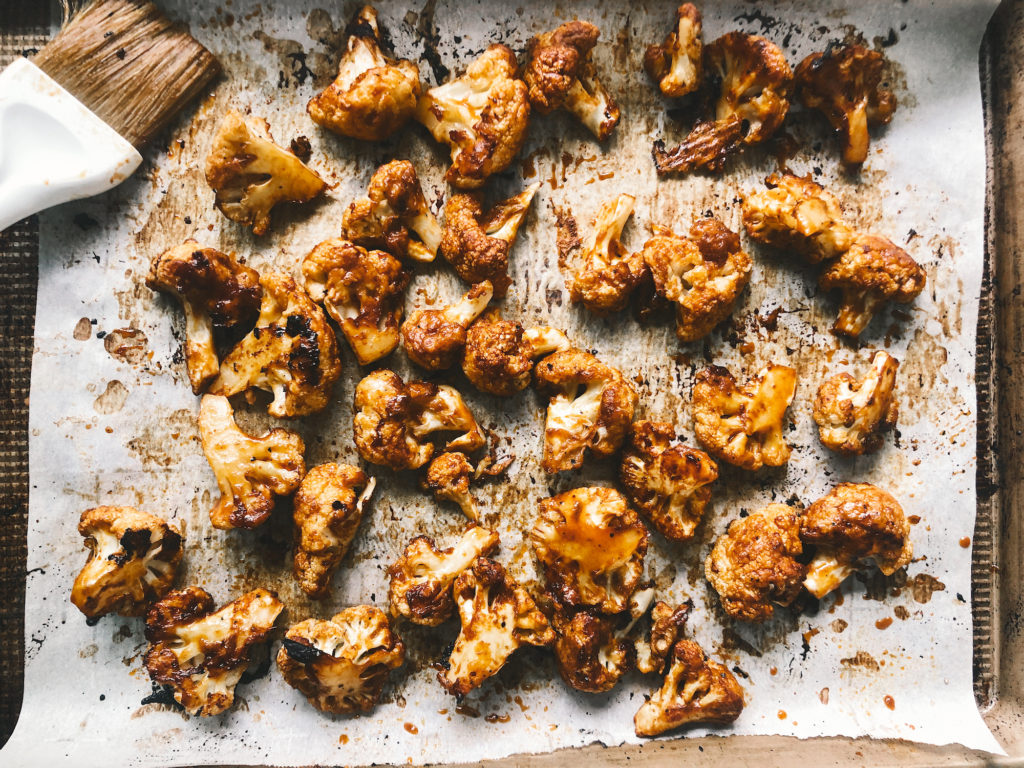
[(477, 245), (362, 290), (215, 291), (590, 654), (448, 478), (373, 95), (852, 523), (498, 616), (560, 74), (434, 338), (743, 424), (482, 116), (201, 654), (702, 276), (606, 274), (393, 420), (421, 579), (852, 415), (669, 483), (341, 665), (797, 214), (394, 215), (666, 628), (292, 353), (250, 174), (677, 64), (872, 272), (500, 354), (133, 557), (250, 471), (696, 690), (327, 510), (591, 407), (753, 565), (592, 546), (844, 83)]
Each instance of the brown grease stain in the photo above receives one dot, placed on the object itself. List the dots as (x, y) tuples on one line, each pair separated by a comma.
[(913, 519), (112, 399), (411, 728), (965, 542), (467, 711), (343, 739), (494, 717), (861, 659), (923, 585), (889, 702), (884, 623), (83, 330), (901, 613), (839, 625), (129, 345), (823, 695)]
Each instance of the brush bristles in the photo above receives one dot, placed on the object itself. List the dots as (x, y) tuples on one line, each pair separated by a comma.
[(128, 64)]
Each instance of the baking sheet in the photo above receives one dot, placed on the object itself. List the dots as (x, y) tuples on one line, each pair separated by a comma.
[(113, 420)]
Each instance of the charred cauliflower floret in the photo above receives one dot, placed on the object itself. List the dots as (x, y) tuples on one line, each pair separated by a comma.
[(666, 628), (292, 353), (434, 338), (591, 656), (362, 290), (852, 415), (753, 565), (326, 511), (696, 691), (676, 65), (500, 354), (560, 74), (743, 424), (592, 546), (669, 483), (394, 215), (498, 616), (702, 276), (393, 420), (797, 214), (201, 654), (448, 478), (341, 665), (844, 83), (215, 291), (250, 174), (852, 523), (874, 271), (477, 245), (250, 471), (373, 95), (482, 116), (421, 579), (607, 274), (133, 557)]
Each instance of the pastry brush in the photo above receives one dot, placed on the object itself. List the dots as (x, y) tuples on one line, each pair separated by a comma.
[(74, 116)]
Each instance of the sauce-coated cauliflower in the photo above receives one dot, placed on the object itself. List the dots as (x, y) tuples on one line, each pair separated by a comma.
[(590, 654), (434, 338), (341, 665), (448, 478), (677, 64), (853, 416), (500, 354), (666, 628)]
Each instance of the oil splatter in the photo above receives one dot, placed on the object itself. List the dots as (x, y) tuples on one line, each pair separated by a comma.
[(112, 399)]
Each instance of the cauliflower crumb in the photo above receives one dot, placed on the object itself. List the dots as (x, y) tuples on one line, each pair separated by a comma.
[(448, 478), (434, 338), (500, 354), (853, 416), (606, 274), (677, 64)]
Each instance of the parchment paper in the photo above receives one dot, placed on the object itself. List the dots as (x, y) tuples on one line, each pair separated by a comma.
[(113, 420)]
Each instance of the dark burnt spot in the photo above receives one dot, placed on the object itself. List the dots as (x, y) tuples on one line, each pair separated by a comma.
[(161, 695), (305, 355), (135, 543), (431, 39), (301, 148)]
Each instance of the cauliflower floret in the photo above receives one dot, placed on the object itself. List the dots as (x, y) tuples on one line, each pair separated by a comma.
[(373, 95), (676, 65), (394, 216), (133, 557), (696, 690), (702, 276), (560, 74), (421, 579), (448, 478), (477, 245), (499, 354), (362, 290), (341, 665), (326, 511), (498, 616), (667, 624), (753, 565), (797, 214), (215, 291), (591, 655), (743, 425), (201, 654), (845, 84), (592, 546), (606, 274), (591, 407), (292, 352), (482, 116), (250, 471), (669, 483), (873, 272), (250, 174), (434, 338), (394, 419), (853, 415), (852, 523)]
